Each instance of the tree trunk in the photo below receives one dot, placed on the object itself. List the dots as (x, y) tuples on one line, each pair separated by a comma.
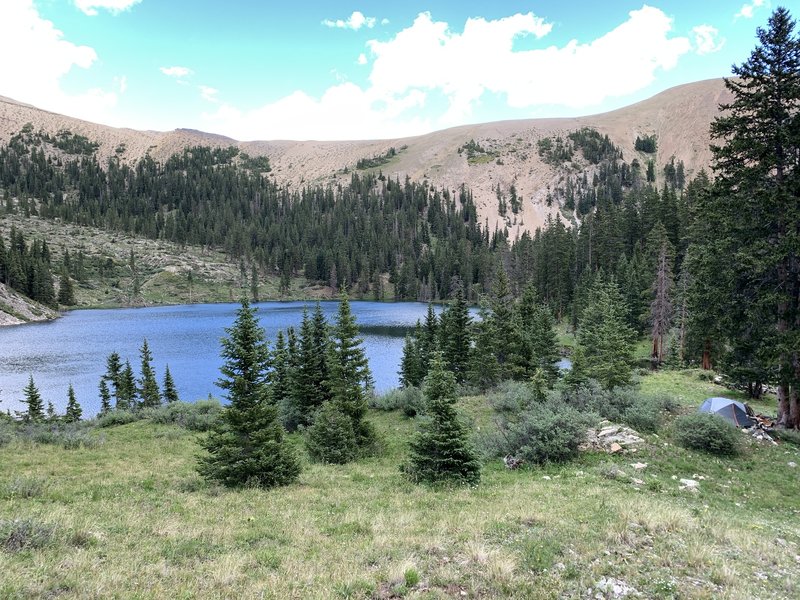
[(707, 356)]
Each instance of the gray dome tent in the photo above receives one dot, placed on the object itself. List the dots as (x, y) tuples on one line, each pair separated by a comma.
[(731, 410)]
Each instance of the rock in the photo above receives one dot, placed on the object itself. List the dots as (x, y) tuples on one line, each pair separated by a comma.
[(614, 448), (546, 477), (690, 485), (608, 588), (639, 466), (637, 481), (792, 464)]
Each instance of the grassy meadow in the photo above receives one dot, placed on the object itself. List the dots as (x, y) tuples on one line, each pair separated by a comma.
[(126, 516)]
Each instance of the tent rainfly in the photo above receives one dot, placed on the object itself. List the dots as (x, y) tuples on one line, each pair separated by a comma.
[(731, 410)]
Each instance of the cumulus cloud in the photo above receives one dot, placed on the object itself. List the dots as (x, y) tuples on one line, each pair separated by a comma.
[(37, 47), (748, 10), (113, 6), (706, 39), (355, 21), (362, 59), (177, 72), (428, 58)]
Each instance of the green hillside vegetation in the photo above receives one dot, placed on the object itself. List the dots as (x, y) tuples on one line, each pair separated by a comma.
[(132, 501)]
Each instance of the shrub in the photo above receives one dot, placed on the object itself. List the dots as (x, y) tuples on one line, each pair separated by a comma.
[(331, 438), (24, 487), (590, 396), (70, 436), (24, 534), (119, 417), (708, 433), (195, 416), (407, 399), (787, 435), (545, 432), (6, 433)]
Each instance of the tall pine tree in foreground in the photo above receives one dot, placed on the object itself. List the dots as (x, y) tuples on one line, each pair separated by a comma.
[(350, 376), (247, 444), (753, 210), (440, 451)]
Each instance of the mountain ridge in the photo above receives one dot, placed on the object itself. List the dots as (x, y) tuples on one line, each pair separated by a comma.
[(679, 118)]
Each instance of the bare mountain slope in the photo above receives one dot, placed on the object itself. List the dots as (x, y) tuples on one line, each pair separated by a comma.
[(679, 117)]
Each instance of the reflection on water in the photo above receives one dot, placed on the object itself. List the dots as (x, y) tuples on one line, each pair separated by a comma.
[(73, 348)]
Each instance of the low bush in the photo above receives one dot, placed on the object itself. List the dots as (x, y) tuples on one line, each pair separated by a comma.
[(648, 413), (24, 534), (70, 436), (708, 433), (407, 399), (195, 416), (114, 418), (592, 397), (24, 488), (542, 433)]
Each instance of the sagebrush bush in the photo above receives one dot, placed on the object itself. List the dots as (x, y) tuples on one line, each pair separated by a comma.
[(708, 433), (195, 416), (114, 418), (6, 433), (591, 397), (543, 433), (70, 436), (23, 487), (25, 534), (408, 399)]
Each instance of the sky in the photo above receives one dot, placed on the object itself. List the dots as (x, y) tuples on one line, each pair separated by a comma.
[(327, 70)]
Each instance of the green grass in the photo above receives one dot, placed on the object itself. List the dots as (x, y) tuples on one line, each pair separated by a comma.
[(130, 518)]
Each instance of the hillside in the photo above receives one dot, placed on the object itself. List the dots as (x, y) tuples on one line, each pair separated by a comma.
[(678, 117), (16, 308)]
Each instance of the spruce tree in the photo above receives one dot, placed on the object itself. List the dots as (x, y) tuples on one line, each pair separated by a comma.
[(74, 410), (331, 438), (105, 397), (246, 445), (126, 393), (440, 451), (410, 364), (148, 386), (113, 374), (170, 391), (66, 292), (605, 342), (753, 209), (350, 376), (35, 412)]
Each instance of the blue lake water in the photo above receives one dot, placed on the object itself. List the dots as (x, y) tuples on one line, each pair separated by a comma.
[(73, 349)]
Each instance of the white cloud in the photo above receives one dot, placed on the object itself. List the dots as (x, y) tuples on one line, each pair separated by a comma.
[(429, 58), (362, 59), (113, 6), (122, 83), (41, 57), (209, 93), (355, 22), (384, 21), (177, 72), (748, 10), (706, 39)]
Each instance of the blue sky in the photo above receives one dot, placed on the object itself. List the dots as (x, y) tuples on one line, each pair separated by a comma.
[(258, 69)]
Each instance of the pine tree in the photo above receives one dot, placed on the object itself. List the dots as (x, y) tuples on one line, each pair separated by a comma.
[(454, 334), (247, 444), (753, 208), (605, 342), (33, 400), (52, 417), (410, 364), (170, 391), (349, 373), (105, 397), (440, 451), (126, 393), (113, 374), (74, 410), (66, 292), (331, 438), (148, 386)]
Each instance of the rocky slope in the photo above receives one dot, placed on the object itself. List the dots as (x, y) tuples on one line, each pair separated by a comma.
[(16, 308), (679, 117)]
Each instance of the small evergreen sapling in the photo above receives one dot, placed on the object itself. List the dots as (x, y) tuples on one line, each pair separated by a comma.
[(440, 451), (33, 400), (170, 391)]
